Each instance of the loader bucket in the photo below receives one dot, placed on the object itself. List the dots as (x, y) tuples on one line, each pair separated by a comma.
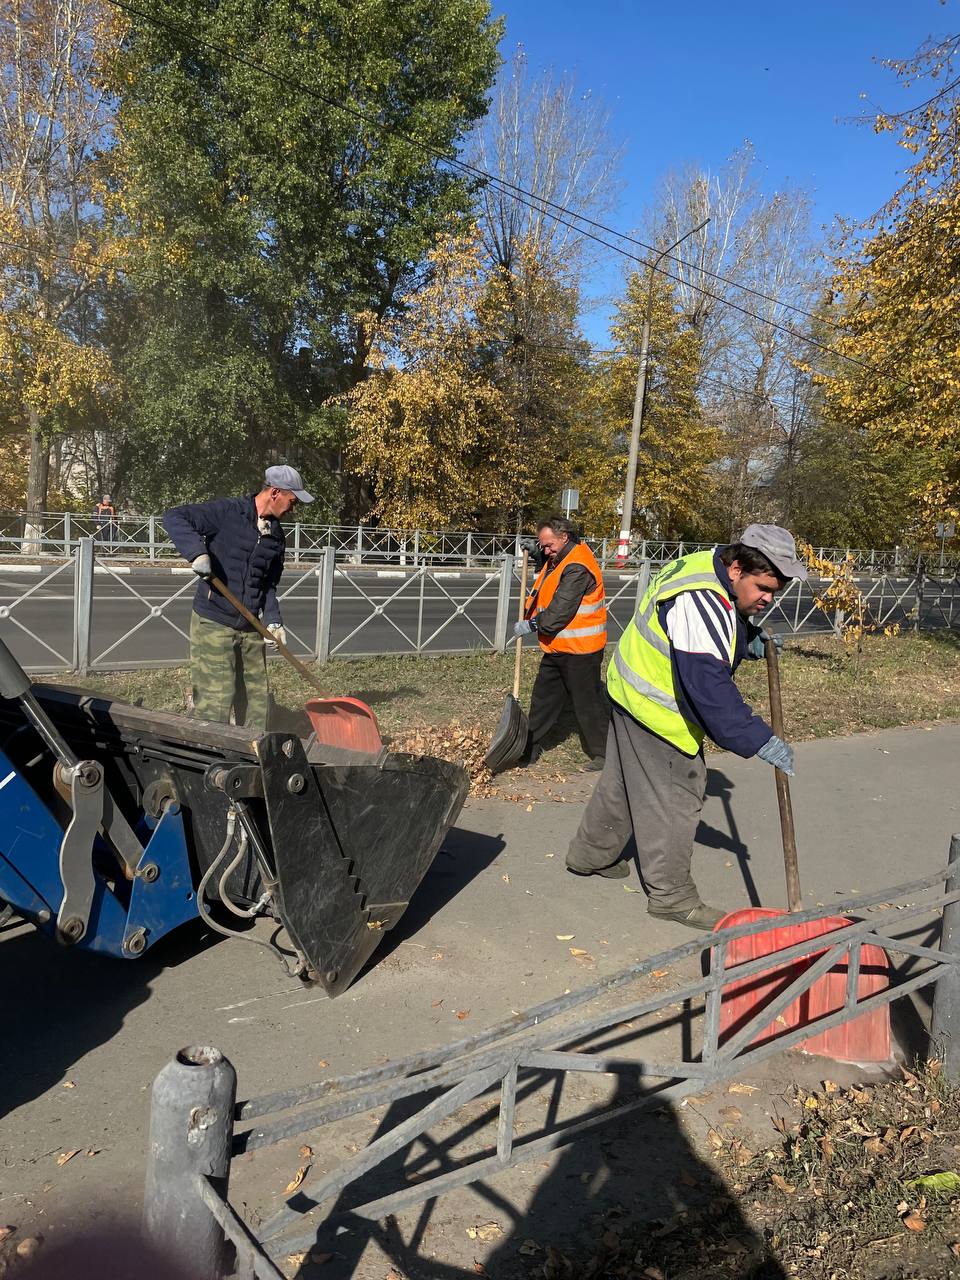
[(330, 843)]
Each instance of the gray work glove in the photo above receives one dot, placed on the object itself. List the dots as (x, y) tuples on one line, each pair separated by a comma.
[(524, 628), (755, 645), (202, 566), (276, 629), (779, 754)]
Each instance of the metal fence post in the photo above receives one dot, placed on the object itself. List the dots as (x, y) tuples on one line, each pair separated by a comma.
[(503, 602), (469, 551), (945, 1027), (66, 534), (921, 574), (416, 548), (83, 606), (296, 543), (643, 579), (152, 538), (191, 1131), (328, 564)]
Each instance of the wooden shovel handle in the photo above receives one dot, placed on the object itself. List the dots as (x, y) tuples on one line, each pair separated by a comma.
[(257, 625), (520, 613), (791, 866)]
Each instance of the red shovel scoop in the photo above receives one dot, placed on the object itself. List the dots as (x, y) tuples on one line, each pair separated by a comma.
[(337, 722)]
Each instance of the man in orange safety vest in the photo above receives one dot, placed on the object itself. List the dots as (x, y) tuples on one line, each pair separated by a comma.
[(567, 611)]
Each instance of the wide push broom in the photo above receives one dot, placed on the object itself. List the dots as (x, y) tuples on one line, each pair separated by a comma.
[(862, 1039)]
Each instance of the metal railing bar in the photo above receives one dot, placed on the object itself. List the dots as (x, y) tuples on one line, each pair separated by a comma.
[(313, 1193), (508, 1104), (554, 1060), (65, 662), (285, 1099), (237, 1232), (914, 949)]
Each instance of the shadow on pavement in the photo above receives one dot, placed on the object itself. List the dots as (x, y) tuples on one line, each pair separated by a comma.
[(631, 1195), (464, 855), (719, 785), (60, 1004)]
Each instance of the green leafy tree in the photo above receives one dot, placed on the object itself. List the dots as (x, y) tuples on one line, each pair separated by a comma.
[(275, 220)]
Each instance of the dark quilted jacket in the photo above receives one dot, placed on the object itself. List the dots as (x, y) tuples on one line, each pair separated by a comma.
[(250, 563)]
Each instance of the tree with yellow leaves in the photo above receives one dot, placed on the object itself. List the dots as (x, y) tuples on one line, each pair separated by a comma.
[(896, 291), (54, 254), (427, 425), (678, 448)]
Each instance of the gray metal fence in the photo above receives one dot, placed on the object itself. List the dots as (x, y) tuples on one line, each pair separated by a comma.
[(187, 1200), (95, 613), (144, 538)]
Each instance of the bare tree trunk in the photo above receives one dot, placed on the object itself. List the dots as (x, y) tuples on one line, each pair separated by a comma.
[(38, 477)]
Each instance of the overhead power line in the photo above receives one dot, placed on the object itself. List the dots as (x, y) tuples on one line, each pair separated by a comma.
[(540, 204)]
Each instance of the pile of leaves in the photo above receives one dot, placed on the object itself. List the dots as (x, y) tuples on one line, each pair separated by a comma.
[(463, 744)]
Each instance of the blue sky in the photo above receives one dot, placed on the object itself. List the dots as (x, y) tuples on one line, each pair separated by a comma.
[(692, 81)]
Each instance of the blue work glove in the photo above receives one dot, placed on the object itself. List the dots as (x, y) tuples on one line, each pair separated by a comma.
[(202, 566), (524, 628), (755, 645), (779, 754)]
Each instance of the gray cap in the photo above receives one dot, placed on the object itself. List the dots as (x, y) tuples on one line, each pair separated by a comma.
[(778, 546), (284, 477)]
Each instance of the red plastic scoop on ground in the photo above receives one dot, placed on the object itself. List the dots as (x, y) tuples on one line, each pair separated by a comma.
[(862, 1039)]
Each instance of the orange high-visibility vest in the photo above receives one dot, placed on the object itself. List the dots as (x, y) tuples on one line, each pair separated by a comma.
[(586, 632)]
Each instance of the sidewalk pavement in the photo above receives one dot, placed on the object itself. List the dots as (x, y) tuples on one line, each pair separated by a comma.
[(85, 1036)]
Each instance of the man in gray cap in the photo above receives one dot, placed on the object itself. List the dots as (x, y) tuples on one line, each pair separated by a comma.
[(241, 542), (671, 685)]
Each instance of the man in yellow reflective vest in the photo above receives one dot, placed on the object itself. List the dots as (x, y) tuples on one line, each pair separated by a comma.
[(567, 611), (671, 684)]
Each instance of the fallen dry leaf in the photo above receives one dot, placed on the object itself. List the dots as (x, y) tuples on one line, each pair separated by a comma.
[(435, 1004), (529, 1246), (297, 1259), (92, 1151), (5, 1232), (297, 1178), (652, 1273), (660, 973), (830, 1087), (955, 1248), (479, 1268), (786, 1187), (68, 1084), (743, 1088), (305, 1153), (907, 1133), (323, 1063), (629, 889), (687, 1179), (731, 1114), (913, 1222), (565, 937), (29, 1246), (529, 808), (463, 1013), (488, 1231), (64, 1156), (505, 878), (716, 1139)]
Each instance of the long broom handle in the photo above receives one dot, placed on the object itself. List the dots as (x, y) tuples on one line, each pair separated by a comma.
[(257, 625), (520, 613), (790, 864)]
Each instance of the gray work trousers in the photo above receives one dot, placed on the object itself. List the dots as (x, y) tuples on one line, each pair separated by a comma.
[(655, 792)]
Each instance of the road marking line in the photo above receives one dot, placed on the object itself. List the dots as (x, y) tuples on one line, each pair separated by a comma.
[(22, 568), (117, 569), (391, 573), (9, 778)]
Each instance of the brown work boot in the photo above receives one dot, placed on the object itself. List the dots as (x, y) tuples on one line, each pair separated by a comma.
[(701, 916)]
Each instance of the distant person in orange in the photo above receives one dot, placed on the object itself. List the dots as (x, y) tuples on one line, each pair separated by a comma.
[(567, 612)]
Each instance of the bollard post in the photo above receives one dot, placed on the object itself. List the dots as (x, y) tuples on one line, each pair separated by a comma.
[(503, 603), (328, 565), (643, 579), (191, 1131), (945, 1026), (82, 606)]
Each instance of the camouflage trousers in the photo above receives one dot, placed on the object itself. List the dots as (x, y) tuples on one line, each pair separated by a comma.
[(229, 669)]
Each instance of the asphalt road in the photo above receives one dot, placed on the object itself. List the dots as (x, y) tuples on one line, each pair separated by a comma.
[(141, 616)]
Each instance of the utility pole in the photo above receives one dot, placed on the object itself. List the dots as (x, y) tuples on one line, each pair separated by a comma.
[(626, 519)]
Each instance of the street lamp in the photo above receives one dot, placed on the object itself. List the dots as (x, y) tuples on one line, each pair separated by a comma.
[(623, 547)]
